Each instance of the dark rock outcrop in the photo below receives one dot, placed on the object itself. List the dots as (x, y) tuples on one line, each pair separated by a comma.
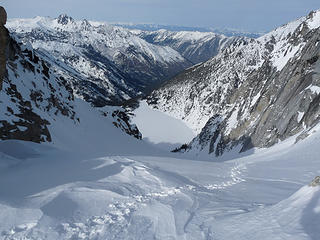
[(122, 121), (315, 182), (4, 37), (3, 16)]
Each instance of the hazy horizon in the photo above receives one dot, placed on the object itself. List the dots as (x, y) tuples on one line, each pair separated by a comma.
[(246, 15)]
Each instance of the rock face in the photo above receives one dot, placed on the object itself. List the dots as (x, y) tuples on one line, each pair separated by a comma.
[(3, 16), (254, 93), (31, 96), (4, 35)]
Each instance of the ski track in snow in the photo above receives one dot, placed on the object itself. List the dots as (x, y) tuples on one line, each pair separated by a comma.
[(147, 198), (119, 214), (55, 194)]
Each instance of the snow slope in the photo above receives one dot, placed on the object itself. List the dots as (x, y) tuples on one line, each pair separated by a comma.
[(93, 181), (160, 128), (131, 191)]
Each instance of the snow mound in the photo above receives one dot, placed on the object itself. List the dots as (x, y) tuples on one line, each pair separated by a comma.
[(296, 217)]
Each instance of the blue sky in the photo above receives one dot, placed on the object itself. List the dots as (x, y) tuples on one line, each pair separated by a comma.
[(250, 15)]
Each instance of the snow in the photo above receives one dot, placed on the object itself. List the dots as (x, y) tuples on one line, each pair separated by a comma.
[(160, 128), (233, 121), (104, 37), (97, 183), (255, 99), (300, 116), (185, 36), (315, 20), (281, 57), (314, 89)]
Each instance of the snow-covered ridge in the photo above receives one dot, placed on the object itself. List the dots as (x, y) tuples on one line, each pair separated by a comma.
[(156, 27), (193, 45), (252, 86), (115, 38), (111, 61)]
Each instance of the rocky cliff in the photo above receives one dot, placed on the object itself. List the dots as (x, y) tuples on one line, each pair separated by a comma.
[(32, 96), (253, 94)]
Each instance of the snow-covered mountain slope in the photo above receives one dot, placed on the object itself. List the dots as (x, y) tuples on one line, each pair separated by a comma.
[(231, 32), (254, 93), (38, 103), (31, 95), (128, 191), (195, 46), (111, 63), (161, 129)]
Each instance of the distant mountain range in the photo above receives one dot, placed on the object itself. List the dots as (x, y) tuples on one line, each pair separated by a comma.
[(110, 63), (155, 27)]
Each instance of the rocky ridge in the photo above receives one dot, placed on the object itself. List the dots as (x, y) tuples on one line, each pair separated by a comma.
[(194, 46), (255, 93), (112, 65)]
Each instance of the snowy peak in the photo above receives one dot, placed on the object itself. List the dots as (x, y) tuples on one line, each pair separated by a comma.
[(64, 19), (312, 21)]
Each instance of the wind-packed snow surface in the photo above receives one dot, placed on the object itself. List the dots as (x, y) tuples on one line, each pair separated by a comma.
[(123, 188)]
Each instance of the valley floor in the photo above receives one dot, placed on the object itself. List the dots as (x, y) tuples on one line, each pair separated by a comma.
[(48, 193)]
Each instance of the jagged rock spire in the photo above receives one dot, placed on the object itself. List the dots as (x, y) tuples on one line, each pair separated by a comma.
[(64, 19)]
